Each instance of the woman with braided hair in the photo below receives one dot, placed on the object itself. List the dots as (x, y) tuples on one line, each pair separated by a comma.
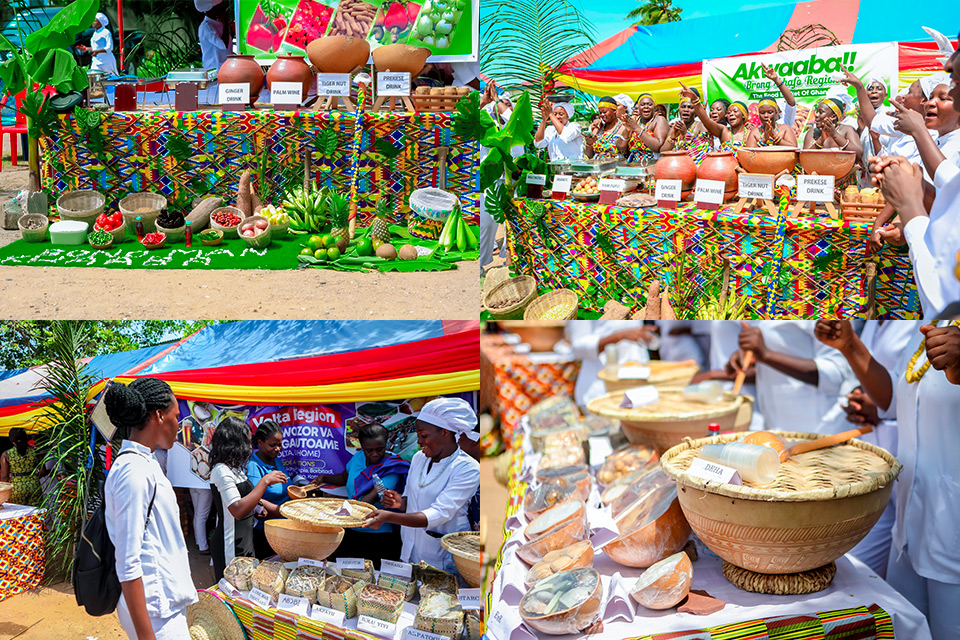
[(142, 515)]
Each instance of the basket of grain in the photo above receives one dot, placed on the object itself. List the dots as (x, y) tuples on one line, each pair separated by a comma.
[(509, 299), (145, 204), (560, 304)]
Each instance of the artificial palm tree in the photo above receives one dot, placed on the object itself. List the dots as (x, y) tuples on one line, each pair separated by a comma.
[(655, 12)]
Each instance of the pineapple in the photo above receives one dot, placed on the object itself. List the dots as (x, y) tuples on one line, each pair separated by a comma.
[(337, 210), (380, 228)]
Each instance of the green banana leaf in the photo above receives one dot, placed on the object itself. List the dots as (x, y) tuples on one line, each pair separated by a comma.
[(62, 30)]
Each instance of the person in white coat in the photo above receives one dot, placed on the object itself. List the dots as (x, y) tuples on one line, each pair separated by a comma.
[(922, 393), (213, 51), (441, 482), (800, 382), (143, 519), (589, 340), (684, 340), (724, 342), (101, 47)]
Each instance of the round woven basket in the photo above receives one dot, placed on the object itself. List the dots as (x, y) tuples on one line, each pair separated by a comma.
[(145, 204), (279, 230), (34, 235), (261, 240), (522, 288), (83, 205), (228, 232), (210, 618), (820, 506), (177, 234), (292, 539), (548, 301), (214, 242), (107, 245), (323, 512), (5, 490), (468, 564), (119, 234), (670, 420), (662, 374)]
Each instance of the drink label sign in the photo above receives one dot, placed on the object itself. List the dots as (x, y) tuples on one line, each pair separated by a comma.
[(400, 569), (237, 93), (472, 598), (536, 178), (376, 627), (333, 84), (815, 188), (752, 186), (393, 84), (324, 614), (668, 193), (561, 186), (354, 564), (286, 93), (713, 471), (260, 598), (309, 562), (299, 606), (709, 193), (417, 634)]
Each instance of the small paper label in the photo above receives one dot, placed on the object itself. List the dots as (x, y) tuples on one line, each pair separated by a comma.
[(470, 598), (600, 448), (561, 184), (815, 188), (234, 93), (260, 598), (417, 634), (333, 84), (640, 396), (709, 191), (612, 184), (756, 187), (376, 627), (308, 562), (393, 84), (286, 93), (399, 569), (227, 588), (668, 190), (324, 614), (633, 373), (299, 606), (536, 178), (355, 564), (706, 470)]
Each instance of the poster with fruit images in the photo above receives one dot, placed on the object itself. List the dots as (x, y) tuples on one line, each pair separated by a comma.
[(449, 28)]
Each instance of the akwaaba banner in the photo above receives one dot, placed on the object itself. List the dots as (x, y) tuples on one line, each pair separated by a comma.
[(808, 72), (449, 28)]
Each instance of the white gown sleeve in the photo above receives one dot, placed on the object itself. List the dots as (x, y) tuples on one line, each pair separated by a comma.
[(583, 339), (932, 296), (455, 496), (133, 492), (833, 370)]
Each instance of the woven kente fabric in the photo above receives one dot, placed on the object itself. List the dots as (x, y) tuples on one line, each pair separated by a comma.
[(604, 251), (183, 155), (21, 554), (270, 624), (522, 383)]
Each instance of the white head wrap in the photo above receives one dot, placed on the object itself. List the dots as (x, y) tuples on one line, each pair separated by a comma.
[(875, 79), (839, 92), (452, 414), (102, 19), (625, 100), (929, 83), (566, 107)]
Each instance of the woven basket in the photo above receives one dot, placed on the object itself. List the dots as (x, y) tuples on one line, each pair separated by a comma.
[(552, 299), (522, 287), (293, 540), (279, 230), (107, 245), (34, 235), (174, 235), (820, 506), (158, 245), (345, 602), (370, 603), (261, 240), (670, 420), (228, 232), (145, 204), (244, 582), (214, 242), (662, 374), (468, 564), (5, 490), (119, 234), (84, 205), (407, 588), (366, 574), (312, 578), (211, 618), (474, 625), (322, 512), (450, 627)]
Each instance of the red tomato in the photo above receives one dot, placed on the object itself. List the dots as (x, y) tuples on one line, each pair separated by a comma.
[(102, 220), (116, 219), (260, 36)]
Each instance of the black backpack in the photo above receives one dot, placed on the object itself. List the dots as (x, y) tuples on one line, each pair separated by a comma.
[(95, 581)]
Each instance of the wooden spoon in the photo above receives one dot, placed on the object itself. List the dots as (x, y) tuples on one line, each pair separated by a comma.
[(742, 374), (828, 441), (298, 493)]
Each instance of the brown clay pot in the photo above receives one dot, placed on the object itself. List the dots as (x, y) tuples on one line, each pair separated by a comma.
[(722, 166), (767, 160), (238, 68), (677, 165), (338, 54), (827, 162), (400, 58), (291, 68)]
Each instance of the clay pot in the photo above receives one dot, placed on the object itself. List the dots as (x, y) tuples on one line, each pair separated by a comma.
[(238, 68), (291, 68), (722, 166), (767, 160), (677, 165), (827, 162), (338, 54), (400, 58)]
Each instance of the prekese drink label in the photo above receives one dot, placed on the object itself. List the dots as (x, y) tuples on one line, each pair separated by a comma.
[(473, 598), (668, 190), (760, 187), (400, 569), (393, 84), (333, 84), (324, 614), (234, 93), (355, 564), (299, 606), (709, 192), (286, 93), (376, 627), (815, 188), (260, 598)]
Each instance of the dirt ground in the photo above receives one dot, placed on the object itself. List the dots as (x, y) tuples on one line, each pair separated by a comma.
[(70, 293)]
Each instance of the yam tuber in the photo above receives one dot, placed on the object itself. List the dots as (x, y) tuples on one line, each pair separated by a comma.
[(244, 200), (666, 309), (256, 202), (200, 216), (653, 301), (613, 310)]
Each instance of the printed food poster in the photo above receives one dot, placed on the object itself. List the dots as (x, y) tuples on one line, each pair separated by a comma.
[(449, 28)]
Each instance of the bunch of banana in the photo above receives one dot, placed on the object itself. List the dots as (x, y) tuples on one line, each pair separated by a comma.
[(732, 308), (307, 210)]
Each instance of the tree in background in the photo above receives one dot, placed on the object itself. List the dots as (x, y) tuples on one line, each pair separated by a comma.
[(654, 12)]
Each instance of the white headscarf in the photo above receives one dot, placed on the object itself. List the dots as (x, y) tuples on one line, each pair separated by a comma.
[(566, 107), (452, 414), (625, 100), (929, 83), (102, 19), (840, 93)]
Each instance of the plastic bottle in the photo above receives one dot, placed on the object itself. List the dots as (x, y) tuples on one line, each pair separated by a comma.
[(379, 486), (713, 430), (140, 229), (612, 365), (188, 235), (756, 464)]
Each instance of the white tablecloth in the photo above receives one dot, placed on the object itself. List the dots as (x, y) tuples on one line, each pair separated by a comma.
[(10, 511)]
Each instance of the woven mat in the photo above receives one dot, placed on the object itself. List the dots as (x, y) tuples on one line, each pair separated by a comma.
[(786, 584), (323, 511), (670, 406)]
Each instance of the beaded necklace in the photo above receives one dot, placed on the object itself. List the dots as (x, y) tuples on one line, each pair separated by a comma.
[(915, 375)]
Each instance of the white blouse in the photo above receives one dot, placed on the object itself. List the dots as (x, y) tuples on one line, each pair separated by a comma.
[(584, 337), (567, 145), (886, 342), (157, 553), (106, 61), (226, 480)]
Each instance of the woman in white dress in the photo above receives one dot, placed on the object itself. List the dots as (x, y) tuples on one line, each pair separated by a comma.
[(562, 139), (442, 481), (101, 47)]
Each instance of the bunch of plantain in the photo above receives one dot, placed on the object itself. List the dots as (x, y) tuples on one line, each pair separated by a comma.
[(307, 210)]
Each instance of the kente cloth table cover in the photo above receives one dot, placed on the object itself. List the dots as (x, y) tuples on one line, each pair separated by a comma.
[(21, 549), (522, 380), (850, 602), (183, 155), (803, 268)]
